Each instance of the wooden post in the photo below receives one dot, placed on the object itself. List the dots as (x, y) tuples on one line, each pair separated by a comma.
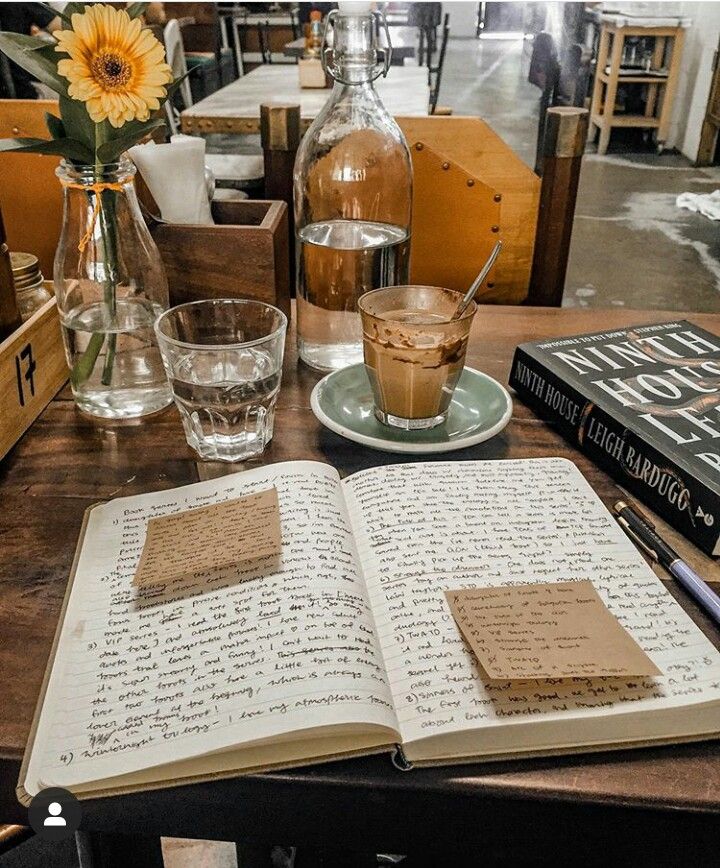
[(565, 136), (596, 103), (608, 107), (280, 137), (670, 87)]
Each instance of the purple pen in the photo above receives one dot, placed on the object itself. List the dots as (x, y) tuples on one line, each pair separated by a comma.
[(641, 531)]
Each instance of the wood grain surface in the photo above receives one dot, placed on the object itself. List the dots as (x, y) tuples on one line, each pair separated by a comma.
[(66, 462), (244, 255)]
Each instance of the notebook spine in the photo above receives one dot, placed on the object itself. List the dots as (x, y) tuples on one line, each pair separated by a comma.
[(654, 477), (399, 760)]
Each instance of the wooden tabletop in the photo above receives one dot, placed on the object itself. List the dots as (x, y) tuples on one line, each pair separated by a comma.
[(66, 462), (235, 108), (403, 40)]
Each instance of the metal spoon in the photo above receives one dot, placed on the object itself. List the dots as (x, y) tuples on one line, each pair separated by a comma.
[(467, 298)]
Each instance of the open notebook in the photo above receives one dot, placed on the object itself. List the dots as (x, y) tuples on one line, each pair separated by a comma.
[(346, 645)]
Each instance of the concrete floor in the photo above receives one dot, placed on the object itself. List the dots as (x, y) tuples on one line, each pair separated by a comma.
[(631, 245)]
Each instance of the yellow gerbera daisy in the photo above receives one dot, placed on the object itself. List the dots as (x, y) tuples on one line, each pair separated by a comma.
[(115, 67)]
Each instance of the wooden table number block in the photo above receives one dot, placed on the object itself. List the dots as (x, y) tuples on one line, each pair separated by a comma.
[(32, 370)]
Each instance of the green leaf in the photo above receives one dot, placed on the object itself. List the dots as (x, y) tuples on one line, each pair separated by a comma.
[(110, 151), (55, 126), (131, 128), (77, 121), (36, 57), (135, 10), (69, 148)]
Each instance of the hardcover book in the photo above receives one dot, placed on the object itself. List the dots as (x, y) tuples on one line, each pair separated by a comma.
[(644, 404), (344, 643)]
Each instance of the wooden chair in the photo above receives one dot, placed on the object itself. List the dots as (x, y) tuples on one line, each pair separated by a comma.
[(30, 194), (437, 70), (469, 190), (175, 56), (426, 17), (201, 26), (210, 60), (262, 41)]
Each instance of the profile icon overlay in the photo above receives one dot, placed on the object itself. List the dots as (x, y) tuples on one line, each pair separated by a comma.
[(53, 818), (54, 814)]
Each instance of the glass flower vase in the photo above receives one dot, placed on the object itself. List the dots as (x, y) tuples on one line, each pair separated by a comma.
[(110, 286)]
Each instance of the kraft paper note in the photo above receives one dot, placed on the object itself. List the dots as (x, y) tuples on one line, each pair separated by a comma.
[(210, 537), (546, 630)]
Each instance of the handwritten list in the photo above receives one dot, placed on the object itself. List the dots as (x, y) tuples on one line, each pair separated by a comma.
[(145, 676), (425, 529), (210, 537), (546, 630)]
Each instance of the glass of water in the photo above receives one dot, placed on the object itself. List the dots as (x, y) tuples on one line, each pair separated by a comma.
[(223, 358)]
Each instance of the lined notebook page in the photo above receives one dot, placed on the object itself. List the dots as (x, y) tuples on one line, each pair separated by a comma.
[(422, 529), (147, 676)]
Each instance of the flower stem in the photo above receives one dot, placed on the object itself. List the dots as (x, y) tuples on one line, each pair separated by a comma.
[(108, 226), (110, 252), (107, 217), (83, 367)]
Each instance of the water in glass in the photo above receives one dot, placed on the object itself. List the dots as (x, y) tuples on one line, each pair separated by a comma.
[(127, 378), (340, 260), (227, 401), (223, 358)]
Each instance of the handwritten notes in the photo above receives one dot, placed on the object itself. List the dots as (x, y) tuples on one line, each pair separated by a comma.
[(423, 529), (546, 630), (188, 668), (210, 537)]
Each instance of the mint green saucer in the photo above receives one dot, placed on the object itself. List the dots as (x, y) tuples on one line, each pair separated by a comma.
[(480, 409)]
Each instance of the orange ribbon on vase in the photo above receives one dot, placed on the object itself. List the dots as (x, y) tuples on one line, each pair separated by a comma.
[(97, 189)]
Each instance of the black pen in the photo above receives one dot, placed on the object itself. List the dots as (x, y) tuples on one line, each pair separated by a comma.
[(641, 531)]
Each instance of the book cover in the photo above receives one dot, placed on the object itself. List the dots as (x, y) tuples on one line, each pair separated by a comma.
[(643, 403)]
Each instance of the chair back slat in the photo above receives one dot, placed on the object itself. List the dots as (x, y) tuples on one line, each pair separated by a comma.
[(30, 194)]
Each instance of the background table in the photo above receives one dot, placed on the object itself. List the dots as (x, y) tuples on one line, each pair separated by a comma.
[(594, 808), (404, 41), (235, 108)]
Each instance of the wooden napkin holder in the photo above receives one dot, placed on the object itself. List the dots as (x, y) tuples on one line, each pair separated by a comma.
[(32, 370), (244, 255)]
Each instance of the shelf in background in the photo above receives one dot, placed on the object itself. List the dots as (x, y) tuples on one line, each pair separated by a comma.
[(634, 79), (628, 121)]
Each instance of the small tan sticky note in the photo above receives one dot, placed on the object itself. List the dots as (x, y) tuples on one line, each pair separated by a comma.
[(547, 630), (211, 537)]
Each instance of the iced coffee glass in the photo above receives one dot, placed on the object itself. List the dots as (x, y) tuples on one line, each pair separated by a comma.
[(413, 354)]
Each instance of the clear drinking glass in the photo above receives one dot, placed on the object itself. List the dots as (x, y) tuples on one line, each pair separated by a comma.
[(414, 354), (223, 358)]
